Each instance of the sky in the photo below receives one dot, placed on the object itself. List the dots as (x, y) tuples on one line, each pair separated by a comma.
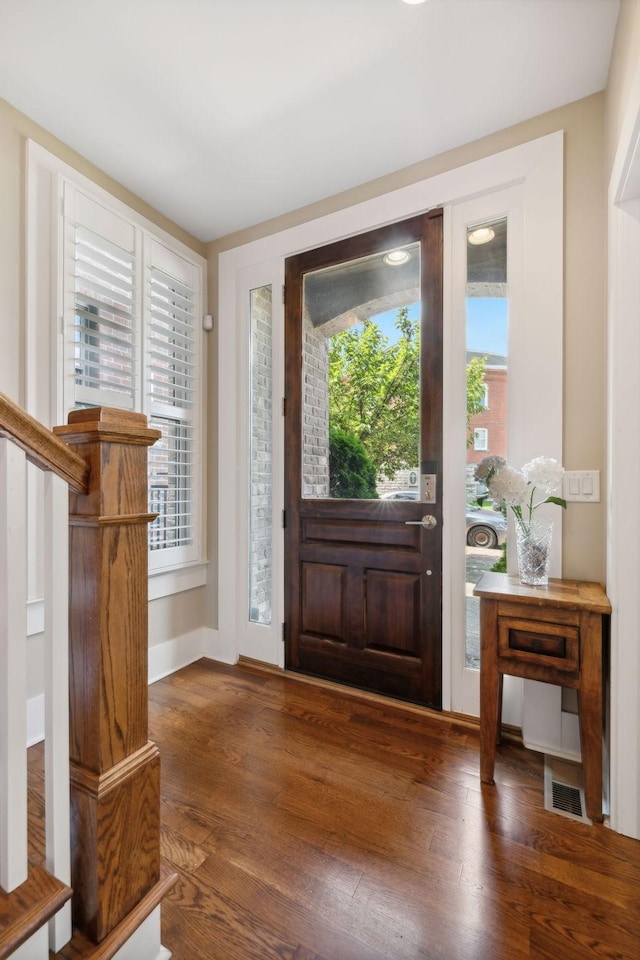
[(486, 324)]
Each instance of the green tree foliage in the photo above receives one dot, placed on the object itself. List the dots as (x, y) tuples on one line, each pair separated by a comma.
[(374, 391), (475, 392), (352, 472), (500, 566)]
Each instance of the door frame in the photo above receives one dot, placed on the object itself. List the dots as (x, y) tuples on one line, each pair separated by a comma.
[(537, 168), (623, 461)]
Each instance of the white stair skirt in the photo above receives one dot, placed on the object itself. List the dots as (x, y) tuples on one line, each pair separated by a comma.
[(143, 945)]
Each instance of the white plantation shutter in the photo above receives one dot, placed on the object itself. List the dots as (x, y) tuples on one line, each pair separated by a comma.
[(104, 318), (171, 341), (102, 311), (172, 385), (132, 339)]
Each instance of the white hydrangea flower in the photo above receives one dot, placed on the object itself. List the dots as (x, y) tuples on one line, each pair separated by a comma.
[(509, 486), (488, 466), (544, 472)]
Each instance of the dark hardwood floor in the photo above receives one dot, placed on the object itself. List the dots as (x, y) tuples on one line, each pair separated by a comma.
[(308, 824)]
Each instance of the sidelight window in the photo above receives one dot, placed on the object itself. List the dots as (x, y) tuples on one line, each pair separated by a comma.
[(487, 370), (261, 456)]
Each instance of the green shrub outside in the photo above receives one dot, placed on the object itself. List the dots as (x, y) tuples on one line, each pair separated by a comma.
[(352, 473)]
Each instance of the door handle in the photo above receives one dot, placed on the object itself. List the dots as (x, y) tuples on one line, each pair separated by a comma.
[(427, 521)]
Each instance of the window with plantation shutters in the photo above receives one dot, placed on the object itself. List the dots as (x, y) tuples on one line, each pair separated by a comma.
[(172, 387), (132, 339)]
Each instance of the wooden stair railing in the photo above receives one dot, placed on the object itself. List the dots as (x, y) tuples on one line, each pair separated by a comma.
[(114, 769), (41, 447)]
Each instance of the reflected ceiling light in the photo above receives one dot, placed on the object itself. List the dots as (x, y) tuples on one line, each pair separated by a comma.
[(414, 1), (395, 257), (481, 235)]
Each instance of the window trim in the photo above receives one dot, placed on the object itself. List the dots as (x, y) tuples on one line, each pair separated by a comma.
[(46, 176), (480, 438)]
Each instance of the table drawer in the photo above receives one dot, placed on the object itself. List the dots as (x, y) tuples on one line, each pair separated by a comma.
[(537, 641)]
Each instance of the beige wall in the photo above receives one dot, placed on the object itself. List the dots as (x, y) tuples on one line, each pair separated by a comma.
[(584, 340), (625, 65), (177, 615)]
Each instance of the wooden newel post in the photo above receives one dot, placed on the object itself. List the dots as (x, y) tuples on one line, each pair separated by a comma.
[(115, 769)]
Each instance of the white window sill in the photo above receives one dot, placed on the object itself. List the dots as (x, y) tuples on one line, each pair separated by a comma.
[(164, 583)]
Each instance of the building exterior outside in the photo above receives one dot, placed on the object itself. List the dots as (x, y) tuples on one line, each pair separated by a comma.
[(490, 426)]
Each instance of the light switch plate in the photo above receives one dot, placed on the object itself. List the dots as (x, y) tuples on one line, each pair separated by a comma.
[(581, 486)]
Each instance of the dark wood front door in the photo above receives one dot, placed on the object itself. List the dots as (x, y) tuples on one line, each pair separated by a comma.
[(363, 574)]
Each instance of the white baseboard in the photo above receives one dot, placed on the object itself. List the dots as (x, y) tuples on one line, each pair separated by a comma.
[(217, 647), (553, 750), (172, 655), (35, 719), (546, 727)]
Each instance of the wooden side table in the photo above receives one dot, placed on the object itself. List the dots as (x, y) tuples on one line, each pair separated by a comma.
[(553, 634)]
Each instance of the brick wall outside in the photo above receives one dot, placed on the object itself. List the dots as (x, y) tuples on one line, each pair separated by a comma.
[(315, 410), (494, 418)]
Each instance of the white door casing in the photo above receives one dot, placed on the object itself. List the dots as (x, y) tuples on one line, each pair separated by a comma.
[(623, 457)]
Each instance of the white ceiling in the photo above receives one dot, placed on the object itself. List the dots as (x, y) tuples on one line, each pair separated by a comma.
[(224, 113)]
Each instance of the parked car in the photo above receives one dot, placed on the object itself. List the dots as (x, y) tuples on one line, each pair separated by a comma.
[(485, 528)]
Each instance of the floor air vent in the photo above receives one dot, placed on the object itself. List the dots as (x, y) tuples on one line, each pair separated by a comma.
[(566, 799), (563, 789)]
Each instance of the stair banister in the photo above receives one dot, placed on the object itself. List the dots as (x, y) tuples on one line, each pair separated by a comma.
[(41, 447), (115, 769)]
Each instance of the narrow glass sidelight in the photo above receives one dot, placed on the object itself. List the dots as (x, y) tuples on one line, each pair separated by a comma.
[(361, 377), (487, 371), (261, 457)]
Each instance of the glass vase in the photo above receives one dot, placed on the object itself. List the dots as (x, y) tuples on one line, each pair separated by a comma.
[(533, 540)]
